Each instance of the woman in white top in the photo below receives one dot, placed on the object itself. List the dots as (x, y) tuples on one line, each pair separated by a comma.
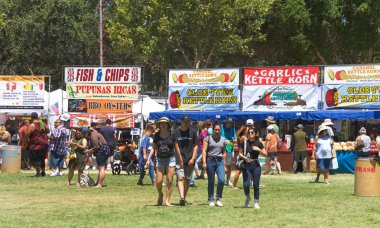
[(322, 152)]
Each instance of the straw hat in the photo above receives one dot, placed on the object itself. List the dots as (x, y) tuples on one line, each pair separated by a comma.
[(328, 122), (300, 126), (270, 119), (322, 128)]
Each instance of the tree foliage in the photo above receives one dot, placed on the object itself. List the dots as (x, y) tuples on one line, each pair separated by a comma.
[(41, 36)]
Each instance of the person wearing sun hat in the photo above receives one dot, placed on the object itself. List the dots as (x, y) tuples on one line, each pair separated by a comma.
[(163, 147), (271, 141), (322, 151), (271, 122)]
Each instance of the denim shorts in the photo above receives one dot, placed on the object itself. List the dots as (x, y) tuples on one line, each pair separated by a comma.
[(323, 164), (185, 172), (272, 154), (101, 159), (166, 162)]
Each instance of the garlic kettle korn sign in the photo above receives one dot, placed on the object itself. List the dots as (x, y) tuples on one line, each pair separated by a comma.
[(102, 75), (281, 88), (281, 75), (206, 89), (22, 92), (352, 74), (360, 96)]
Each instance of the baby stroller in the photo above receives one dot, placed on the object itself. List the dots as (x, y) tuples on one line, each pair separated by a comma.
[(125, 159)]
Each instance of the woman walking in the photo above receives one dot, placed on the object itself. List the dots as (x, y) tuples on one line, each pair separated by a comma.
[(242, 136), (322, 152), (214, 158), (249, 151), (77, 156), (163, 146)]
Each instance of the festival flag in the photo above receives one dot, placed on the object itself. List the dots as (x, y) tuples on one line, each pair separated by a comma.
[(54, 108)]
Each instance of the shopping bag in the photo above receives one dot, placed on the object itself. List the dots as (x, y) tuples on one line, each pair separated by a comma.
[(334, 162), (313, 166)]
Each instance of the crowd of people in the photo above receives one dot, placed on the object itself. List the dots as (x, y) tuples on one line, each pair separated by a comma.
[(167, 150)]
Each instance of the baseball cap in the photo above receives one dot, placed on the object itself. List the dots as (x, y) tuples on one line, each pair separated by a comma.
[(299, 126), (185, 118), (229, 119), (270, 128), (249, 122)]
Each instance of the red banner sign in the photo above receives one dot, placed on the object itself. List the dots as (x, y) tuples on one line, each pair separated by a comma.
[(281, 75)]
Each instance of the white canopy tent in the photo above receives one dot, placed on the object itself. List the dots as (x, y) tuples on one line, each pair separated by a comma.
[(146, 105)]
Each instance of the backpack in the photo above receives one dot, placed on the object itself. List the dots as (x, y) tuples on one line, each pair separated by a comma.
[(279, 142), (86, 180)]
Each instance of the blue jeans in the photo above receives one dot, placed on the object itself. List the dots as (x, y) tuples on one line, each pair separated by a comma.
[(215, 165), (151, 170), (252, 170)]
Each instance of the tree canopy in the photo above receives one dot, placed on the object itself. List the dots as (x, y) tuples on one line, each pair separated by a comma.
[(42, 36)]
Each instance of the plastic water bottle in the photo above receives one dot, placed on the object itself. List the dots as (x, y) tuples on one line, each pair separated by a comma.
[(311, 138)]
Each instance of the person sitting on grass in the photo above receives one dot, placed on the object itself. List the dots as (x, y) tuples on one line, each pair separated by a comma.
[(322, 152), (77, 156)]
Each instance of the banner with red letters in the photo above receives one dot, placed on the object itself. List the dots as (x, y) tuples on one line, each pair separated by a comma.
[(293, 75)]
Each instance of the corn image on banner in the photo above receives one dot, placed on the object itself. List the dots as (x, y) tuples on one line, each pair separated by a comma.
[(204, 98), (281, 98), (351, 96), (203, 77), (352, 74), (22, 92)]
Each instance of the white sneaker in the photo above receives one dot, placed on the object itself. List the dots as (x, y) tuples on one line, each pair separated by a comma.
[(256, 206), (61, 174), (87, 167), (218, 203), (54, 173), (212, 204), (93, 168), (246, 204)]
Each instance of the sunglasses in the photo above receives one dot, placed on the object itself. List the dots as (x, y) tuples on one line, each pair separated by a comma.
[(251, 132)]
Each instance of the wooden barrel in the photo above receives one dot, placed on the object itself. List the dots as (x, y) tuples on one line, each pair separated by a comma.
[(11, 159), (367, 177)]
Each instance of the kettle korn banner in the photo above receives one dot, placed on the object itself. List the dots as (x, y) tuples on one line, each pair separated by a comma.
[(22, 92), (204, 98), (204, 77), (290, 97), (118, 121), (100, 106), (281, 75), (103, 91), (352, 74), (102, 74), (351, 96)]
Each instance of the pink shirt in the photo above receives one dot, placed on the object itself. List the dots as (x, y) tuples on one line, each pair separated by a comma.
[(201, 137)]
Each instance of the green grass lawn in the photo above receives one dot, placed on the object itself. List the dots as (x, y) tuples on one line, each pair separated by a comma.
[(286, 201)]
